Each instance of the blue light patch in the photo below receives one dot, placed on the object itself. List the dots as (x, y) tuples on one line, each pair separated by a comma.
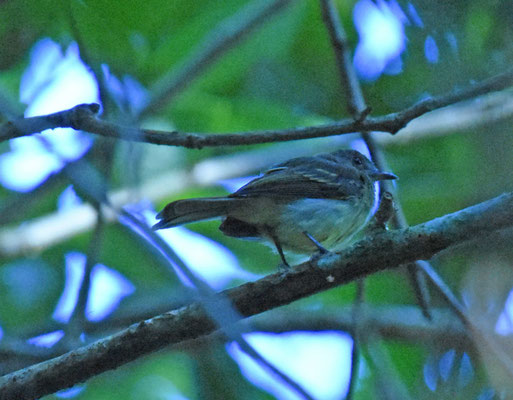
[(431, 374), (22, 171), (233, 184), (382, 39), (127, 92), (320, 362), (452, 41), (75, 267), (414, 16), (70, 393), (52, 82), (466, 372), (68, 199), (211, 261), (446, 363), (431, 50), (46, 340), (108, 288), (504, 324)]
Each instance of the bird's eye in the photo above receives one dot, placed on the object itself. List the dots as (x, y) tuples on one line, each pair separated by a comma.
[(357, 161)]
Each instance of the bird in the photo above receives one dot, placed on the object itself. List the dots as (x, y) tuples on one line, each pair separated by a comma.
[(303, 205)]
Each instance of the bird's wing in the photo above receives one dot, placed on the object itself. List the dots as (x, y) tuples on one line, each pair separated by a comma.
[(303, 177)]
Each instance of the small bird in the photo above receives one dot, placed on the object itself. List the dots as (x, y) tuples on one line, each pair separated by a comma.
[(302, 205)]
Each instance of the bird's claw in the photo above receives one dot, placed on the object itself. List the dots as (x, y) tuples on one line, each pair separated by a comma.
[(317, 255), (283, 267)]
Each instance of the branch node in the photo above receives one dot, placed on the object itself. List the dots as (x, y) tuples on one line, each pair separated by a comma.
[(193, 142), (82, 112), (362, 116)]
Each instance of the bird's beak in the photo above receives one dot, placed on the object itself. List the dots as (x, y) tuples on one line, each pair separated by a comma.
[(381, 176)]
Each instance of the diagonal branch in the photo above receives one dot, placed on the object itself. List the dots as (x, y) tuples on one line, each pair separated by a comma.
[(353, 91), (358, 108), (370, 255), (83, 117), (225, 36)]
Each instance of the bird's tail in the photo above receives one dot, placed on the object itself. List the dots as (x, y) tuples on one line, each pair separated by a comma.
[(190, 210)]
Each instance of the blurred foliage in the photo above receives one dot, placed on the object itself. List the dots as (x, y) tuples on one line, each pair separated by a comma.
[(283, 75)]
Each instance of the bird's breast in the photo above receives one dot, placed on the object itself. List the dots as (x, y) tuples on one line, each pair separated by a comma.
[(332, 222)]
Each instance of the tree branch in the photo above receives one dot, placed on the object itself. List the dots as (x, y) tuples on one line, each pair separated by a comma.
[(63, 119), (354, 96), (391, 322), (358, 108), (370, 255), (82, 117)]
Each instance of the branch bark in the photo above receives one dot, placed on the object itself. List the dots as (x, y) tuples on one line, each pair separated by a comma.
[(370, 255), (83, 117)]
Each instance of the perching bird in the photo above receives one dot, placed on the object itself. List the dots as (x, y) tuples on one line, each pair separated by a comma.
[(302, 205)]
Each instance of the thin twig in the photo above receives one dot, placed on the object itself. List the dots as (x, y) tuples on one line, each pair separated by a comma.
[(353, 91), (385, 210), (414, 270), (85, 55), (370, 255), (82, 117), (217, 306), (358, 108), (225, 36), (388, 383)]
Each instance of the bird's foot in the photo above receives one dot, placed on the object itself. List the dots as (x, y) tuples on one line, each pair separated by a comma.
[(320, 247), (283, 267), (317, 256)]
